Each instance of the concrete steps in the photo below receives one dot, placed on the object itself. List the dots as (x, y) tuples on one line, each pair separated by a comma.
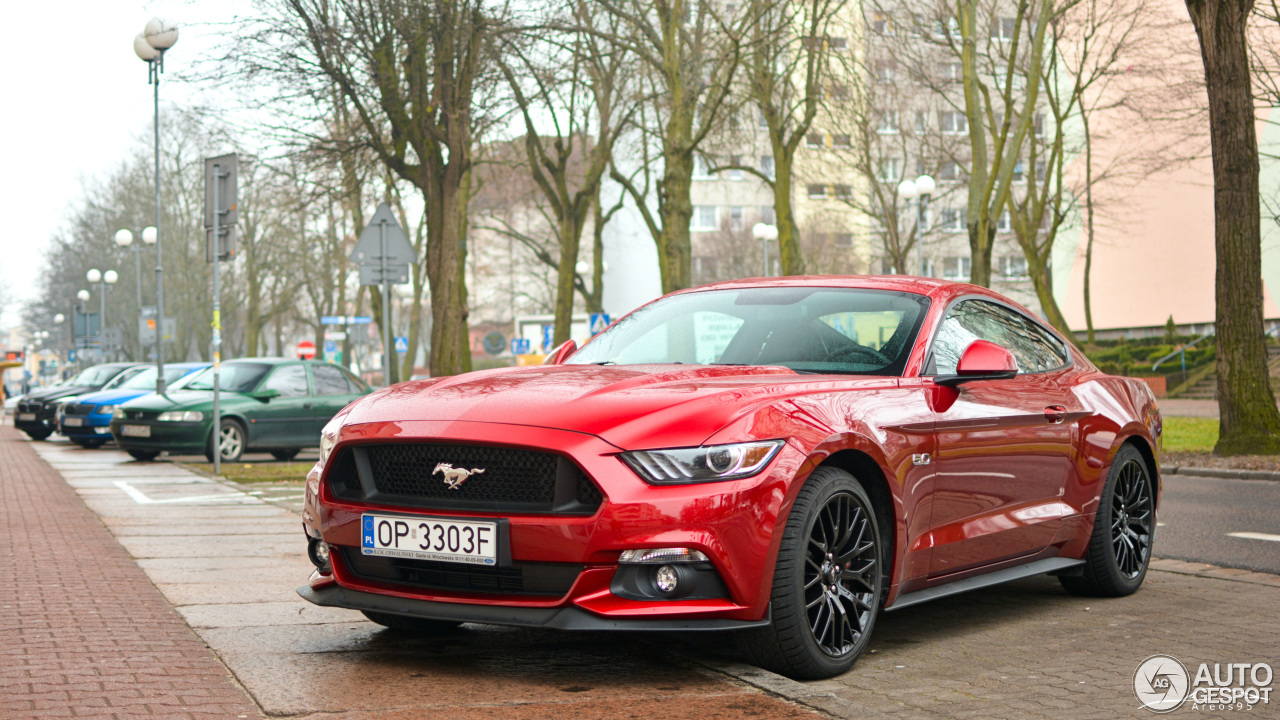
[(1207, 387)]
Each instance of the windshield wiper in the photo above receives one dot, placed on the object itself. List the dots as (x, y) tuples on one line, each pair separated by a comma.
[(605, 362)]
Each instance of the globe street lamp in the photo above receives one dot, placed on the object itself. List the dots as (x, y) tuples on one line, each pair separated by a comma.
[(764, 233), (124, 239), (158, 36), (104, 280), (922, 188)]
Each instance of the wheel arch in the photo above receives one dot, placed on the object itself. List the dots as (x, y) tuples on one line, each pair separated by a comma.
[(868, 473), (1144, 449)]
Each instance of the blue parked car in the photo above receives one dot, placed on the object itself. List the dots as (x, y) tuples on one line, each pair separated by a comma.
[(87, 420)]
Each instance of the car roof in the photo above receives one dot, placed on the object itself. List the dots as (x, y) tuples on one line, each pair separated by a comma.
[(930, 287)]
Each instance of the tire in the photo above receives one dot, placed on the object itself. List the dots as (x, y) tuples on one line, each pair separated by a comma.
[(412, 625), (285, 455), (231, 451), (38, 434), (1120, 546), (806, 640), (143, 455)]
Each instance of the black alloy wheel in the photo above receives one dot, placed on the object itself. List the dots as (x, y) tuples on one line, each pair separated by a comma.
[(1123, 531), (827, 581)]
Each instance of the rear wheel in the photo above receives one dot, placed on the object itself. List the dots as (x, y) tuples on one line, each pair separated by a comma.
[(231, 442), (1120, 548), (417, 626), (285, 455), (143, 455), (827, 581)]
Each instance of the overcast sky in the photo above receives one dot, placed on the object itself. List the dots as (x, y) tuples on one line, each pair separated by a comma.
[(76, 103)]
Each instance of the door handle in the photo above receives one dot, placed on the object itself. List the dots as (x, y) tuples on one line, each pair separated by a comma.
[(1055, 414)]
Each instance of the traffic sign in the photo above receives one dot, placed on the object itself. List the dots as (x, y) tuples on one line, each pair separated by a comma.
[(220, 199), (402, 344), (494, 343), (71, 356), (306, 349), (371, 274), (520, 346), (330, 347), (599, 321), (548, 337), (345, 319), (384, 228)]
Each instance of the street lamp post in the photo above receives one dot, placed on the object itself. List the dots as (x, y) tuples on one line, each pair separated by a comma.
[(922, 188), (764, 233), (150, 45), (103, 280), (82, 308), (124, 239)]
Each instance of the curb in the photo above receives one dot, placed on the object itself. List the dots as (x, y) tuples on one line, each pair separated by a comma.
[(1214, 572), (1221, 473)]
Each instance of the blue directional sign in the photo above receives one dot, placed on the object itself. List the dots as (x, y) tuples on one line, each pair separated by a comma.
[(402, 344), (330, 347), (359, 319), (548, 337), (345, 319), (71, 356), (332, 320), (599, 321), (520, 346)]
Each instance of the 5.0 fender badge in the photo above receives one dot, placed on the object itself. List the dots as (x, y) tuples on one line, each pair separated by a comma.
[(921, 459), (453, 477)]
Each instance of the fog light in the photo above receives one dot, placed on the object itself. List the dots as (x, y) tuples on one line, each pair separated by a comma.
[(318, 553), (666, 580)]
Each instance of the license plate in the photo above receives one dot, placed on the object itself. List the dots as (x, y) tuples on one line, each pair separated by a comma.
[(73, 422), (135, 430), (425, 538), (26, 417)]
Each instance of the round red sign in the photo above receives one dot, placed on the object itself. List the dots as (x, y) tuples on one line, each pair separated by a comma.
[(306, 349)]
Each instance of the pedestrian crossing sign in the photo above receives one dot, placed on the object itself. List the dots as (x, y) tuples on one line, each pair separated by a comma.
[(599, 321)]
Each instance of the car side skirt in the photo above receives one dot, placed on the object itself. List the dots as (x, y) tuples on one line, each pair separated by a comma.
[(996, 577), (563, 618)]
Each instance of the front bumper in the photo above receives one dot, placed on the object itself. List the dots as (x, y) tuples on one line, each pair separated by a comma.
[(175, 437), (92, 426), (45, 419), (731, 522)]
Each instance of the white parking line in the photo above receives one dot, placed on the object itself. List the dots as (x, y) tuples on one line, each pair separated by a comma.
[(1255, 536), (142, 499)]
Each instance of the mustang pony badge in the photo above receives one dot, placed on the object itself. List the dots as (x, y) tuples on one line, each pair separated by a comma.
[(453, 477)]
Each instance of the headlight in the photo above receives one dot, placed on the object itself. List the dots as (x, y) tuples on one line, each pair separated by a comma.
[(680, 466), (118, 413), (181, 416), (328, 438), (106, 409)]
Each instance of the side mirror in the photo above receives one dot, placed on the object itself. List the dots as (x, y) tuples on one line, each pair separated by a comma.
[(982, 360), (561, 353), (264, 395)]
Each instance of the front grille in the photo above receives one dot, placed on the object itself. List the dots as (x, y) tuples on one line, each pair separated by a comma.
[(29, 407), (513, 479), (139, 414), (553, 579), (79, 409)]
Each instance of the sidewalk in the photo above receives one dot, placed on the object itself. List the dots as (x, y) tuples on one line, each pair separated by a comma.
[(83, 631)]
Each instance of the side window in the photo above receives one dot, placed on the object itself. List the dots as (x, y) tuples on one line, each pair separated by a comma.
[(330, 380), (290, 380), (1031, 345)]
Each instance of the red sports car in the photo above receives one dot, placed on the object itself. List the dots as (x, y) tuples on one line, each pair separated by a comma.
[(781, 457)]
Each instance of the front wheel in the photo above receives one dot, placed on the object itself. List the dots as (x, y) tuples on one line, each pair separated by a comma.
[(38, 434), (1123, 529), (826, 583), (143, 455), (231, 442), (285, 455)]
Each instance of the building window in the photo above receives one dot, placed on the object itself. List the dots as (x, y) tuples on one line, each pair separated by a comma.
[(888, 122), (730, 9), (881, 23), (1019, 174), (920, 122), (951, 72), (884, 71), (953, 122), (948, 170), (1042, 170), (836, 91), (844, 240), (844, 192), (1013, 266), (1002, 29), (700, 171), (764, 121), (735, 173), (890, 169), (841, 140), (766, 165), (1038, 122), (814, 140), (767, 215), (705, 217), (735, 217), (817, 191), (946, 28), (1003, 223), (839, 44), (955, 267), (951, 219)]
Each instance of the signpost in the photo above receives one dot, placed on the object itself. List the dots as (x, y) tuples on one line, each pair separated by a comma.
[(599, 321), (219, 220), (520, 346), (548, 337), (384, 254)]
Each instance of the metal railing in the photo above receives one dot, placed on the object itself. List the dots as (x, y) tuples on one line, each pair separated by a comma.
[(1182, 351)]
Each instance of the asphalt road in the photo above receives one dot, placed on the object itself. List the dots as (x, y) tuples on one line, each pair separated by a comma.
[(1199, 516)]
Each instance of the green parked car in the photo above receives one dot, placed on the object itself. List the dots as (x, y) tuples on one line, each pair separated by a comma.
[(267, 404)]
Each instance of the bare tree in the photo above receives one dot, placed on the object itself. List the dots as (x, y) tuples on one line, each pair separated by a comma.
[(1249, 421)]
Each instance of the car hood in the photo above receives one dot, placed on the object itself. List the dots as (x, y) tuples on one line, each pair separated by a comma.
[(630, 406), (178, 399), (57, 393), (112, 397)]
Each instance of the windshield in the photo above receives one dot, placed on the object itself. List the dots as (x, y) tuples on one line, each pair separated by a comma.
[(818, 330), (233, 377), (146, 380), (95, 376)]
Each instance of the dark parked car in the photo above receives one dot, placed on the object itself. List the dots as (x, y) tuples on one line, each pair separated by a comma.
[(267, 404), (38, 409), (87, 420)]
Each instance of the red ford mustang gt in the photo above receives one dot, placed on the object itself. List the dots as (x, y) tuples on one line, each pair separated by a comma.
[(781, 457)]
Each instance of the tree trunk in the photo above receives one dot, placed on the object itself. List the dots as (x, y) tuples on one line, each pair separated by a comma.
[(595, 298), (675, 250), (792, 260), (1088, 213), (981, 238), (566, 272), (1249, 420), (446, 264), (1041, 280)]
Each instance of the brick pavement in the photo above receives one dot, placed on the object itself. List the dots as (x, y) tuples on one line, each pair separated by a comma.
[(83, 632)]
